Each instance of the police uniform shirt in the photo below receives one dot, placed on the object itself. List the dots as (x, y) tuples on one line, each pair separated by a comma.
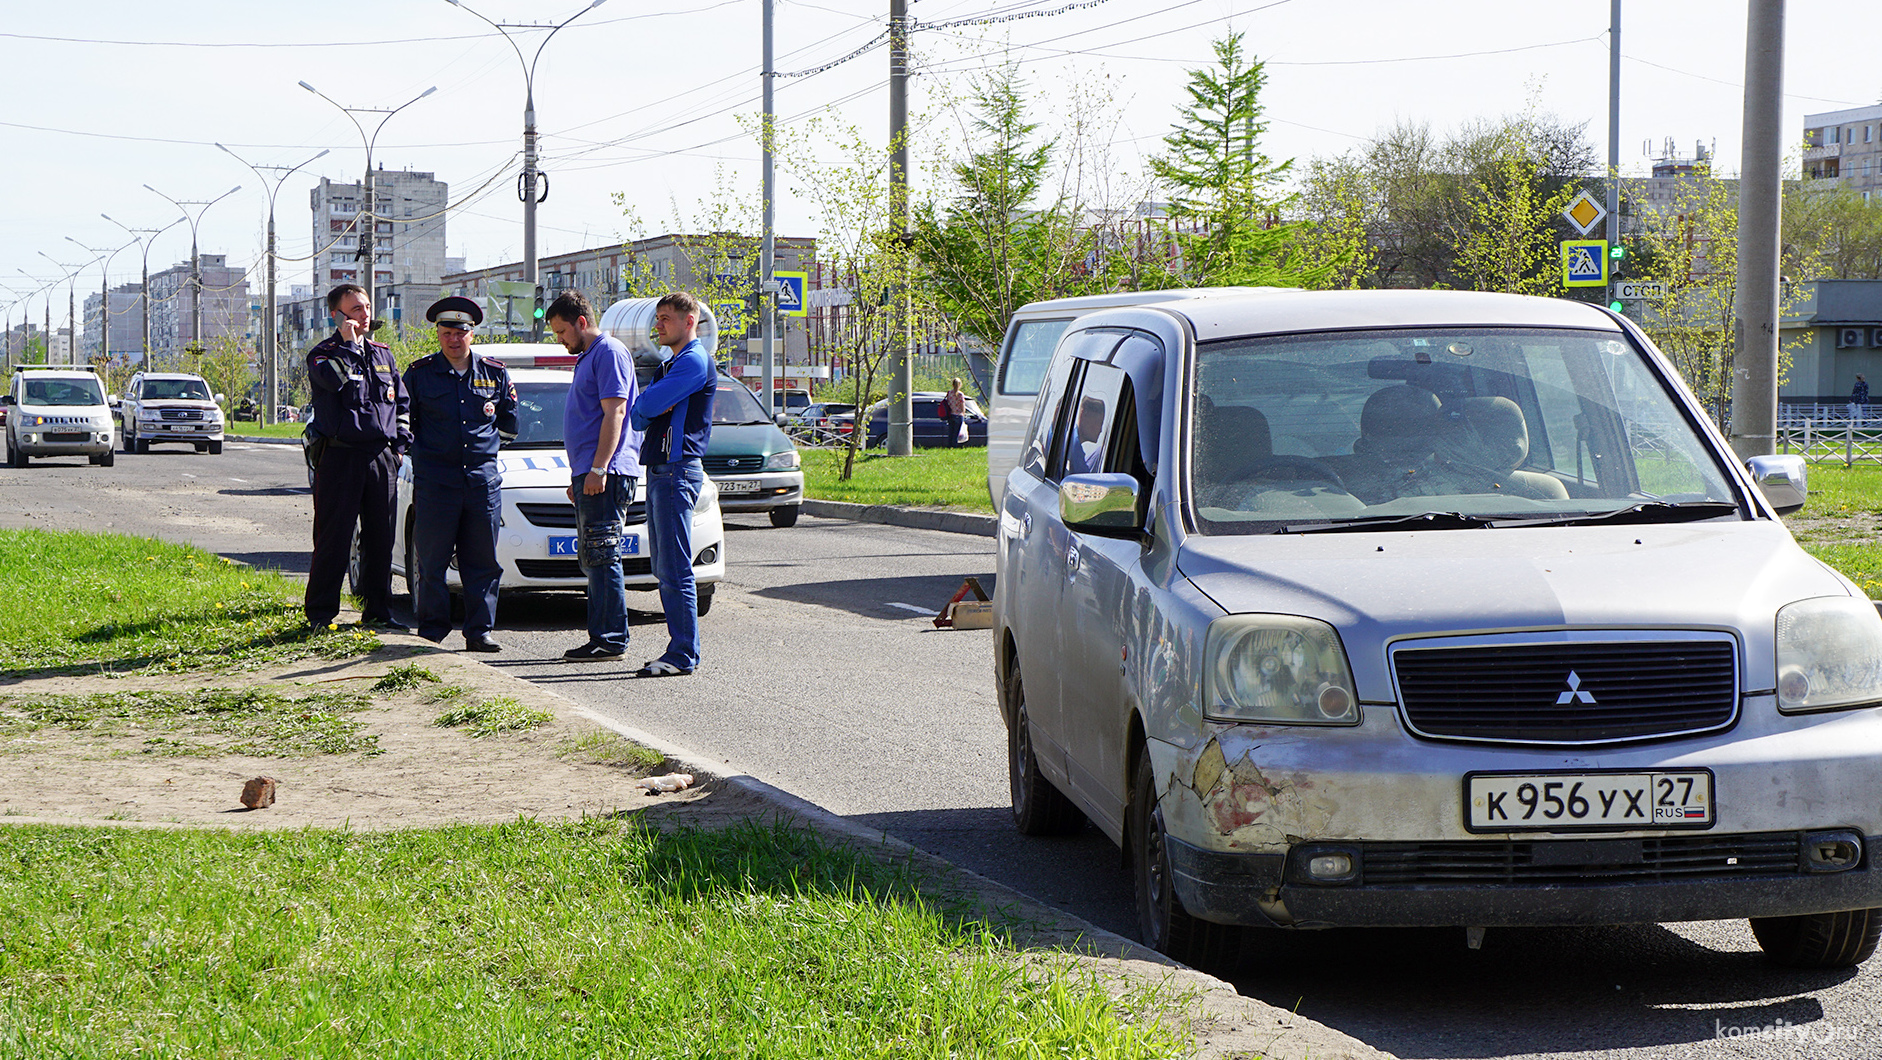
[(460, 419), (359, 399)]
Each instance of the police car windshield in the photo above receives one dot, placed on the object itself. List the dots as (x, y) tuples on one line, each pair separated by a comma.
[(539, 415), (734, 404), (62, 392)]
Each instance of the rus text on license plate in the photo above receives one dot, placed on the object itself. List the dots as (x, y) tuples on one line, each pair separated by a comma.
[(565, 546), (738, 485), (1573, 802)]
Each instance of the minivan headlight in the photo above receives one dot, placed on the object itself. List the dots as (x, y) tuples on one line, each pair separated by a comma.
[(1277, 668), (1829, 654), (784, 461)]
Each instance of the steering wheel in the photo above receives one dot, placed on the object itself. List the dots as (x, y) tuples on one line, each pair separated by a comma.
[(1294, 469)]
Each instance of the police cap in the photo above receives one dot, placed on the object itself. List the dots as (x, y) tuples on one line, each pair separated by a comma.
[(455, 311)]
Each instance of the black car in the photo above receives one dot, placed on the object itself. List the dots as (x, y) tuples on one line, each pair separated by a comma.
[(931, 431)]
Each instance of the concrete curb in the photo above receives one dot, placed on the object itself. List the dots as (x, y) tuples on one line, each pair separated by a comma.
[(259, 440), (920, 518)]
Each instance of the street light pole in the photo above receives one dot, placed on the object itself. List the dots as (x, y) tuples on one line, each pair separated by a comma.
[(526, 182), (144, 296), (104, 292), (71, 310), (372, 220), (271, 367), (196, 260)]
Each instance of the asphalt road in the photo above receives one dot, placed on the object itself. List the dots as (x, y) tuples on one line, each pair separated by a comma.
[(821, 677)]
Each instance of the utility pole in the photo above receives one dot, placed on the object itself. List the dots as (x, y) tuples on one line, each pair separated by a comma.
[(526, 182), (1754, 366), (143, 296), (369, 221), (196, 260), (271, 368), (1614, 124), (901, 437), (768, 281)]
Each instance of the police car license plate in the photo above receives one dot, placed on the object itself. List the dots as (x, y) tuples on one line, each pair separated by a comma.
[(565, 546), (1573, 802)]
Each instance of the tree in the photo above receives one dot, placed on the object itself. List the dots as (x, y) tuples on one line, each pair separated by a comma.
[(1507, 239), (722, 261), (994, 246), (1225, 199), (1829, 223), (227, 367)]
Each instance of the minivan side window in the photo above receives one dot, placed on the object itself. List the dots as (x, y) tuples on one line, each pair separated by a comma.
[(1045, 418), (1024, 365), (1092, 420)]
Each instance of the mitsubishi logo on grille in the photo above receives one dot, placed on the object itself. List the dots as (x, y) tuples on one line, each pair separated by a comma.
[(1574, 693)]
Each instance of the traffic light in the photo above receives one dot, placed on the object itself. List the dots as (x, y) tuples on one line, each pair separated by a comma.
[(1618, 306), (540, 309), (1617, 256)]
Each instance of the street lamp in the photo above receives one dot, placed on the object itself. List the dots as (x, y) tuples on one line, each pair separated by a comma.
[(271, 365), (526, 182), (104, 292), (46, 288), (144, 297), (372, 221), (71, 310), (196, 260)]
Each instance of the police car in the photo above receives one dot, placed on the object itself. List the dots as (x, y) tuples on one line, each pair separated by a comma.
[(536, 531)]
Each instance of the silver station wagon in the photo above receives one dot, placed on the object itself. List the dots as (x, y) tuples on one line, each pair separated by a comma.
[(1428, 608)]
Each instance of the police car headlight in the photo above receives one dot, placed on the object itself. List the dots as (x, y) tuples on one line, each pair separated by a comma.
[(1276, 668), (1829, 654), (785, 461), (708, 497)]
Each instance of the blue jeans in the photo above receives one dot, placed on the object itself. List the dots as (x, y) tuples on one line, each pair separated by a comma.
[(672, 490), (598, 535)]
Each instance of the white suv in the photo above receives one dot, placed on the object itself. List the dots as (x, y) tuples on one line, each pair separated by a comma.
[(171, 407), (57, 412)]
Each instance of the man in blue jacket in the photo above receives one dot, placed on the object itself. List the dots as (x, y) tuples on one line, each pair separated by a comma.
[(675, 412)]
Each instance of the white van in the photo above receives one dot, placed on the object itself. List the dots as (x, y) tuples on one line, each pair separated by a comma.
[(1030, 338)]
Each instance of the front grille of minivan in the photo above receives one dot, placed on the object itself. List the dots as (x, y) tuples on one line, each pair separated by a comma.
[(1555, 692)]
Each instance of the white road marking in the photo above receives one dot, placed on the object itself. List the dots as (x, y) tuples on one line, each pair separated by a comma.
[(912, 607), (232, 478)]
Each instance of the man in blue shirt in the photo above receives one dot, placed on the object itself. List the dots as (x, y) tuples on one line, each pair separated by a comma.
[(675, 411), (604, 464), (463, 410)]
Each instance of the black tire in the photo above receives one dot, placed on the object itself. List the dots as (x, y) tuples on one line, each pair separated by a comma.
[(128, 439), (411, 566), (16, 457), (143, 444), (702, 598), (108, 458), (1039, 808), (783, 517), (1819, 940), (215, 448), (353, 578), (1161, 919)]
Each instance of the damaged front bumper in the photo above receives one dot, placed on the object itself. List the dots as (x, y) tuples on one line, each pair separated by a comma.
[(1365, 826)]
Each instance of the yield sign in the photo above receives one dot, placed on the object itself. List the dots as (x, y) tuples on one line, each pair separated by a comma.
[(1584, 213)]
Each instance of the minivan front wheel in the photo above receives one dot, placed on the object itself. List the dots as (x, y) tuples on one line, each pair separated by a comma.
[(1038, 807), (1819, 940), (1161, 919)]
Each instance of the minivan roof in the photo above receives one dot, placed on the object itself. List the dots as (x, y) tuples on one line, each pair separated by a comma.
[(1085, 303)]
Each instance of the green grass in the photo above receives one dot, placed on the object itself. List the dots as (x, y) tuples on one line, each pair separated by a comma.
[(256, 720), (399, 678), (250, 429), (952, 478), (1838, 523), (75, 598), (494, 715), (596, 939), (603, 748)]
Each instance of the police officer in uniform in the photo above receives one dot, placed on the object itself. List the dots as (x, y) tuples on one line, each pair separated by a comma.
[(463, 409), (361, 413)]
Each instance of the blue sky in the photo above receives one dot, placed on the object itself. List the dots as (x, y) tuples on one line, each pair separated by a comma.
[(104, 97)]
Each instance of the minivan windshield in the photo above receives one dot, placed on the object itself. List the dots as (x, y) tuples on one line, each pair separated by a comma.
[(175, 390), (62, 392), (1480, 426), (736, 404), (539, 407)]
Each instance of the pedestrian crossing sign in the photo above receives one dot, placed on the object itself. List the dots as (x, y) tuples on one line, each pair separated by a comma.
[(791, 294), (1584, 263)]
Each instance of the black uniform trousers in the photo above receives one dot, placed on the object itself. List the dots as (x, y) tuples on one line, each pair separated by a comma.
[(455, 511), (352, 487)]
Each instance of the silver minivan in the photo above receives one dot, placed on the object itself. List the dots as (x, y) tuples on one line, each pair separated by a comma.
[(1403, 608), (1030, 338)]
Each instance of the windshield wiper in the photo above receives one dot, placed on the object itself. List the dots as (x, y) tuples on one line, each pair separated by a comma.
[(1644, 512), (1421, 521)]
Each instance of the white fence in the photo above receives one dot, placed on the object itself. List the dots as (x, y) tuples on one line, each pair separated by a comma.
[(1841, 439)]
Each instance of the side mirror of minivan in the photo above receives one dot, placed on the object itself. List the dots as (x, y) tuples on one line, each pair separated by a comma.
[(1782, 480), (781, 420), (1109, 505)]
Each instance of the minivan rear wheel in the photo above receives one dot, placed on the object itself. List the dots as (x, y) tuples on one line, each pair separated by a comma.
[(1165, 925), (1038, 807), (1819, 940)]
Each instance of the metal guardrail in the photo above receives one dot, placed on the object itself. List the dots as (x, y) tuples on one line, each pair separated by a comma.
[(1842, 440)]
